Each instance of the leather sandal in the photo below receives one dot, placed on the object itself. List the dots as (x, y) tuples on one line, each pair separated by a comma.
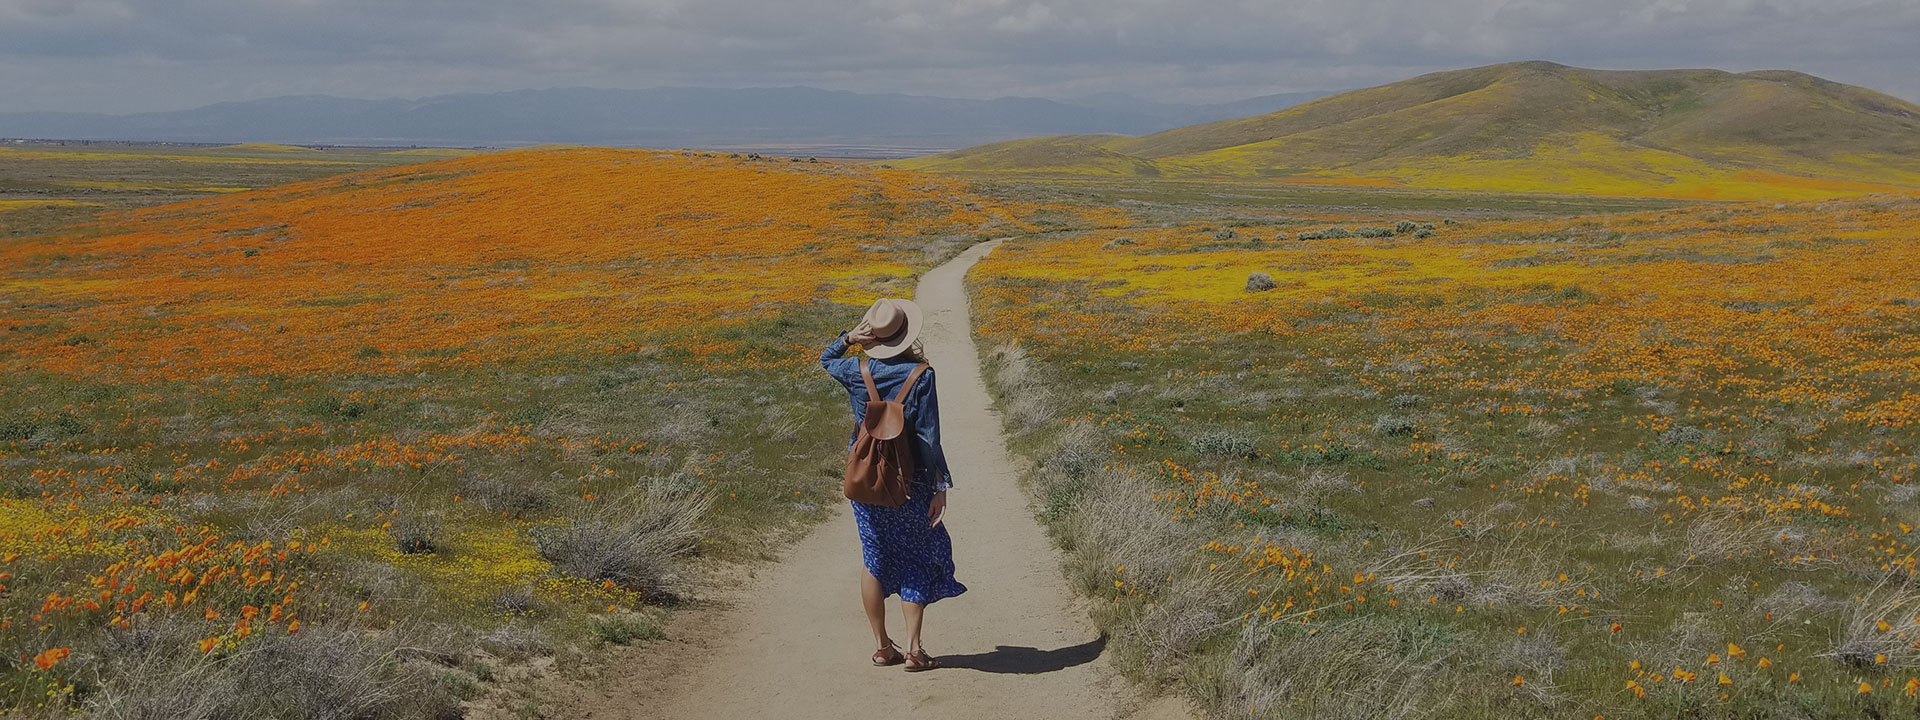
[(919, 660), (889, 655)]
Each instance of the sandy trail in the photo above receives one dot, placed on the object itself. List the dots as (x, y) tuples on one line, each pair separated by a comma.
[(794, 643)]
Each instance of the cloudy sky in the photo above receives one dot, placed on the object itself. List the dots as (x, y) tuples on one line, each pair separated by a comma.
[(136, 55)]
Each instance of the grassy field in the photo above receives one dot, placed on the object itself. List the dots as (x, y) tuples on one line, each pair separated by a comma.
[(1389, 458), (1315, 449), (44, 186), (379, 443)]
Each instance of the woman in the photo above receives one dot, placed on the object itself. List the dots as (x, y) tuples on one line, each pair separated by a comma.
[(906, 548)]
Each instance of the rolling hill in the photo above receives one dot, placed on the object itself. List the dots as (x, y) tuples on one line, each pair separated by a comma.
[(1530, 127)]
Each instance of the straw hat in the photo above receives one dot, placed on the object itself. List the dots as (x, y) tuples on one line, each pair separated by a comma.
[(895, 324)]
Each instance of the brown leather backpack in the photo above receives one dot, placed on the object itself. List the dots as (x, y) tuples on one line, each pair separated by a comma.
[(880, 463)]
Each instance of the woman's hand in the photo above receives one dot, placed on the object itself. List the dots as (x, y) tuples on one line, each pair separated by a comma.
[(937, 510), (861, 335)]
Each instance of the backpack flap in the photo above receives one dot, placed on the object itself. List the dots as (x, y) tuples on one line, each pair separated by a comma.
[(885, 420)]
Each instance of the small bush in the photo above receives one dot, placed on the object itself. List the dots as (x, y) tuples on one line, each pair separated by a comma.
[(1391, 425), (1225, 234), (514, 643), (1375, 232), (416, 533), (501, 496), (1332, 233), (1223, 443), (1863, 644), (16, 429), (1260, 282), (155, 671), (1404, 226), (518, 600), (637, 541), (1683, 435), (1068, 469), (1118, 242), (1289, 671), (625, 628), (1406, 401)]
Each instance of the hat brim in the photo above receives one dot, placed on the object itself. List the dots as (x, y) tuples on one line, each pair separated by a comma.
[(898, 343)]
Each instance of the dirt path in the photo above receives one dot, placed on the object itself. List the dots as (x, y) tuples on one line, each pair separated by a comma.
[(794, 644)]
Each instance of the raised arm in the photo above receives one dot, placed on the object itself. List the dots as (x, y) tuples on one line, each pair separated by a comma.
[(831, 360)]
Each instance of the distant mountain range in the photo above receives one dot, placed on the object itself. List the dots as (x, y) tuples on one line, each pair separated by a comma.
[(769, 118), (1530, 127)]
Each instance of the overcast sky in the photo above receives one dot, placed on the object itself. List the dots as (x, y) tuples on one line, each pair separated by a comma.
[(136, 55)]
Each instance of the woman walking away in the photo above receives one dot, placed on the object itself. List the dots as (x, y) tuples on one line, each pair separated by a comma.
[(904, 543)]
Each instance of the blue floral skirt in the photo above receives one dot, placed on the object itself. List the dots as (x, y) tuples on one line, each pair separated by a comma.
[(907, 557)]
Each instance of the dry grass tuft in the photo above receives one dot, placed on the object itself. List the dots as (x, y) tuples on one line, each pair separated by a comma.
[(637, 540), (326, 673), (1354, 670), (1882, 627), (1025, 401)]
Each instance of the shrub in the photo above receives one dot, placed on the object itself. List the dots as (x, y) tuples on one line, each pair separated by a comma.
[(637, 541), (1375, 232), (16, 429), (1260, 282), (1225, 234), (1332, 233), (1406, 401), (416, 533), (1224, 443), (1863, 644), (501, 496), (1391, 425), (1683, 435), (517, 600), (1068, 469), (514, 643), (624, 628), (155, 671), (1290, 671), (1404, 226)]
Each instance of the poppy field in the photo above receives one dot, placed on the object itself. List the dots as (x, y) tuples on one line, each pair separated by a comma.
[(1325, 462), (381, 444)]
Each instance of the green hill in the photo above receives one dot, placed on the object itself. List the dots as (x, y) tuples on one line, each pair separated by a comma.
[(1531, 127)]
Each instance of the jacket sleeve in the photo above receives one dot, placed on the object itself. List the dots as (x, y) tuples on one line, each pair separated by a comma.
[(835, 365), (926, 424)]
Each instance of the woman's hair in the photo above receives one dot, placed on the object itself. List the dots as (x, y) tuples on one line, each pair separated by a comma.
[(915, 352)]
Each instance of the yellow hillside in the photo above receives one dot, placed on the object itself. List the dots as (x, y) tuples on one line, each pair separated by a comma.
[(1531, 127)]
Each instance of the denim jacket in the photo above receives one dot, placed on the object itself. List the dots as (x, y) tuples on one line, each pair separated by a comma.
[(922, 404)]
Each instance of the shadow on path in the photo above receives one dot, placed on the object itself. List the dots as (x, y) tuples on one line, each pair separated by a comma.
[(1021, 660)]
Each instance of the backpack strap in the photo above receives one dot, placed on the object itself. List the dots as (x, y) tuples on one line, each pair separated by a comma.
[(866, 373), (908, 385)]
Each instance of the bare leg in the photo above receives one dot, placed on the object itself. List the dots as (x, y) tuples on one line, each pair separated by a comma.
[(876, 609), (913, 612)]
